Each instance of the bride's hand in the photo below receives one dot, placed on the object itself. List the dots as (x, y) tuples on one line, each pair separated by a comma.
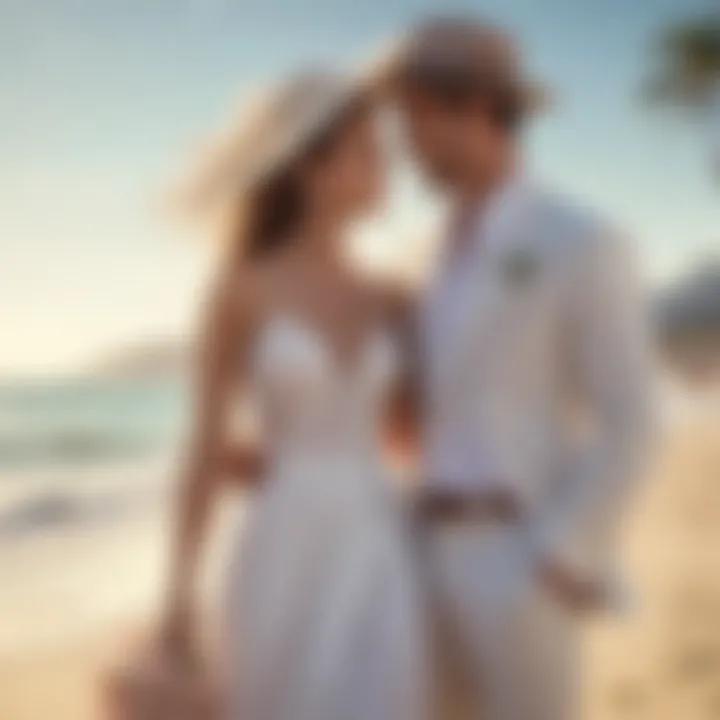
[(176, 637)]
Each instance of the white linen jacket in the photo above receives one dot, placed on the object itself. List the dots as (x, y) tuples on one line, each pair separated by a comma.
[(542, 376)]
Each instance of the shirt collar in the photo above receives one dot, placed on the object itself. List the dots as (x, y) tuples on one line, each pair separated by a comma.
[(488, 226), (498, 210)]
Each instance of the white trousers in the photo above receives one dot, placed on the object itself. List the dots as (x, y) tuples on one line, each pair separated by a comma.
[(505, 649)]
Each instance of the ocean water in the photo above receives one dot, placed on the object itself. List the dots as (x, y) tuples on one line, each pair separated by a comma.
[(87, 421), (88, 472), (85, 451)]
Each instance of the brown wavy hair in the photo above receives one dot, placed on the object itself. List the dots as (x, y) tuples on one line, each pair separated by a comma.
[(264, 222)]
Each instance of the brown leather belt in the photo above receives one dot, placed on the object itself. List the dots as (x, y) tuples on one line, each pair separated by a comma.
[(496, 505)]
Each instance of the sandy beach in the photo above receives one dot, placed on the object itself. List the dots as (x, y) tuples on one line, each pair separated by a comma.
[(79, 589)]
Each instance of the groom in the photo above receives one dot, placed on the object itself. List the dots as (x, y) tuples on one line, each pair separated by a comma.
[(534, 384), (535, 377)]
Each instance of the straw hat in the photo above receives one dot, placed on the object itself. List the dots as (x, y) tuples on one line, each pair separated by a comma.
[(455, 49), (271, 132)]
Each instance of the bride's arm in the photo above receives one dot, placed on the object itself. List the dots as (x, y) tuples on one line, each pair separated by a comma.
[(403, 426), (402, 434), (243, 464), (225, 334)]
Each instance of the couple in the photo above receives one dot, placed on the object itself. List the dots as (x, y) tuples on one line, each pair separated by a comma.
[(528, 368)]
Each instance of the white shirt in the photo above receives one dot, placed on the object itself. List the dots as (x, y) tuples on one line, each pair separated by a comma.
[(507, 356), (455, 454)]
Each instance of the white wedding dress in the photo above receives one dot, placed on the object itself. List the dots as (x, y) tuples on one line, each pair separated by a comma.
[(324, 619)]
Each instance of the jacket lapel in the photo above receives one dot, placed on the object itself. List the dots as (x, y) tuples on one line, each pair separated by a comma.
[(476, 316)]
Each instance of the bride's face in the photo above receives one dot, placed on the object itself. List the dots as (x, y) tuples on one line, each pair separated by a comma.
[(350, 177)]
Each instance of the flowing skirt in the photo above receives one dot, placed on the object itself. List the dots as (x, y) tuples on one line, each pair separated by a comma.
[(325, 620)]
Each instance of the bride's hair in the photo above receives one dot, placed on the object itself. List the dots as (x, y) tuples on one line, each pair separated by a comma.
[(264, 222)]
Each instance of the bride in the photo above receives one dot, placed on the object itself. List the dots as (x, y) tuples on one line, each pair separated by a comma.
[(323, 619)]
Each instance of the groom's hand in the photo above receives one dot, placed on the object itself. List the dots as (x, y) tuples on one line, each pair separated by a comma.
[(577, 594)]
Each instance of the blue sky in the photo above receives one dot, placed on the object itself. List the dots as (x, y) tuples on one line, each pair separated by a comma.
[(101, 99)]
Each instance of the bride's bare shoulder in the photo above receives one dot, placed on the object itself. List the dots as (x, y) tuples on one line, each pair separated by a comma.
[(235, 300), (246, 287)]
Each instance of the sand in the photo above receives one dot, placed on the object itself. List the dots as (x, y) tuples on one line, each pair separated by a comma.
[(662, 662)]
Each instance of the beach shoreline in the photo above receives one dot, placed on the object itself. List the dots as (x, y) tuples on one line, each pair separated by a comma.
[(86, 586)]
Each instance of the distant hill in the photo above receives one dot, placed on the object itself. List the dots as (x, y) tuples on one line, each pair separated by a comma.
[(687, 317), (693, 304), (153, 359)]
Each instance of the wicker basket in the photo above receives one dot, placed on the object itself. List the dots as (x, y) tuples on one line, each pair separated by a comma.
[(149, 689)]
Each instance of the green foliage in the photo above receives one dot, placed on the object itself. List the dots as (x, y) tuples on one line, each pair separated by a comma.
[(686, 71)]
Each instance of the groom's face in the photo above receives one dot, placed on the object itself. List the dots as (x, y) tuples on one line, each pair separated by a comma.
[(452, 142)]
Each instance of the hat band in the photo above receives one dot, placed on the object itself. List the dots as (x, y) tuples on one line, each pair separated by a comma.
[(457, 80)]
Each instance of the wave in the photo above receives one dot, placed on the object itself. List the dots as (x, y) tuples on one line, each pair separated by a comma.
[(69, 446), (37, 502), (86, 421)]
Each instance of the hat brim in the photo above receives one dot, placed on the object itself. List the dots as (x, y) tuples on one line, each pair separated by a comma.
[(391, 74), (288, 148), (251, 153)]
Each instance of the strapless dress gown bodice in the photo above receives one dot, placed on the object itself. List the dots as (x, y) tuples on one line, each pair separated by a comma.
[(324, 613), (317, 408)]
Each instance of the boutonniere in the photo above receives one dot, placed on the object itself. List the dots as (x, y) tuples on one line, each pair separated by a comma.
[(519, 266)]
